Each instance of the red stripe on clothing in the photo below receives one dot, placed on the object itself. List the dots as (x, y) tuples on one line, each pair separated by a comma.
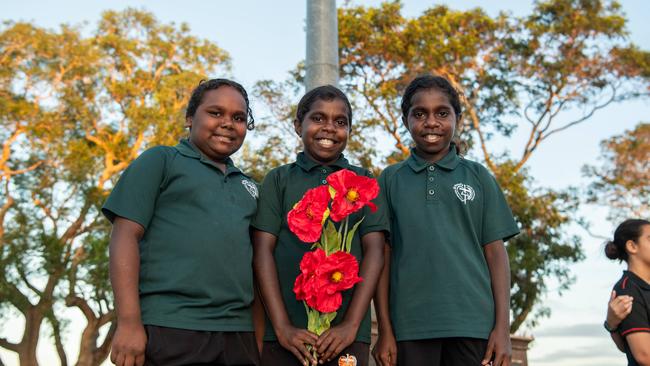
[(624, 282), (635, 330)]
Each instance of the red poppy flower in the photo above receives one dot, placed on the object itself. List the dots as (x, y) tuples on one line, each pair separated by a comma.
[(308, 215), (351, 193), (322, 278)]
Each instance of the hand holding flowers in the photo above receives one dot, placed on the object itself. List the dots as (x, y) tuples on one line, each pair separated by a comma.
[(329, 269)]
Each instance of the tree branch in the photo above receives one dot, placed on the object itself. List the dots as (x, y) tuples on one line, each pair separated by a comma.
[(56, 331), (23, 277), (82, 304), (102, 351), (8, 345), (585, 117)]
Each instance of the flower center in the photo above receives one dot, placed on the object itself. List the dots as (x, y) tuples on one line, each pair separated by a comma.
[(352, 195), (336, 277)]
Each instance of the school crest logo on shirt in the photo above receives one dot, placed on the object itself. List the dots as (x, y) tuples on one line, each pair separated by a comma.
[(347, 360), (464, 192), (250, 187)]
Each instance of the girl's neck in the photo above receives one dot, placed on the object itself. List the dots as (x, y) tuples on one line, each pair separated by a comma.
[(319, 162), (640, 269)]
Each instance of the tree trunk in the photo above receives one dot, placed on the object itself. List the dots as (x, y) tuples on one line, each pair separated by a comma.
[(27, 351), (88, 345), (90, 354)]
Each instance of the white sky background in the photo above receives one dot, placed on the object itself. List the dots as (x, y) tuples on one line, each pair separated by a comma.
[(266, 39)]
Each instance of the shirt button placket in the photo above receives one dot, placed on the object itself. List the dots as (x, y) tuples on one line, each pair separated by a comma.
[(323, 176), (430, 183)]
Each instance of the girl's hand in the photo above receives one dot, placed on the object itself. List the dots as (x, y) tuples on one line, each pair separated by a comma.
[(618, 309), (129, 344), (334, 340), (499, 346), (296, 340), (385, 350)]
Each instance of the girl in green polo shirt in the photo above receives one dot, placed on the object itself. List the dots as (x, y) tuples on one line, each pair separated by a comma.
[(449, 274), (323, 122), (180, 250)]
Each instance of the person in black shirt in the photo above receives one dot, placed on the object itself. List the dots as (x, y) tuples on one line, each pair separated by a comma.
[(631, 244)]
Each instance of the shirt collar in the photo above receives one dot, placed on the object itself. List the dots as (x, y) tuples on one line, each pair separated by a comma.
[(637, 280), (308, 164), (186, 148), (448, 162)]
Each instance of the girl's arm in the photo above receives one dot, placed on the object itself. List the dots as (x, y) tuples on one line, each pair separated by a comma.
[(258, 317), (639, 343), (499, 340), (385, 351), (290, 337), (618, 309), (334, 340), (130, 339)]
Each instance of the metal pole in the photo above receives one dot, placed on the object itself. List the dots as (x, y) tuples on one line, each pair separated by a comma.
[(322, 63)]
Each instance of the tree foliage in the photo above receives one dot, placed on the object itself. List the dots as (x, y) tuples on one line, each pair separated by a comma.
[(542, 73), (622, 181), (75, 111)]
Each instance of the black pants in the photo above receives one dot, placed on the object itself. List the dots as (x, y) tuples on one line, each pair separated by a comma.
[(273, 354), (171, 347), (441, 352)]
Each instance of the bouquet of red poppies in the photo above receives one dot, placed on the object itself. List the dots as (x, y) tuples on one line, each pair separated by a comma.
[(329, 269)]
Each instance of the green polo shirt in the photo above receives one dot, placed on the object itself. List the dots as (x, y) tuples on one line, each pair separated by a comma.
[(282, 188), (196, 253), (441, 216)]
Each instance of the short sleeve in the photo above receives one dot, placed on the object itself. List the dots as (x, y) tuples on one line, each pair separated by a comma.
[(134, 196), (637, 320), (498, 222), (269, 205), (378, 220)]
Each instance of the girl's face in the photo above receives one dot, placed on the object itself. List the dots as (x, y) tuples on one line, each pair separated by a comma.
[(218, 127), (431, 121), (640, 250), (324, 130)]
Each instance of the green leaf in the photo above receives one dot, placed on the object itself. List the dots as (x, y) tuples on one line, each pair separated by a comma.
[(324, 322), (313, 320), (332, 238), (348, 240)]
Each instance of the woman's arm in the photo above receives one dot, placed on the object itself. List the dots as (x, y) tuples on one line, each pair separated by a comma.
[(290, 337), (130, 339), (385, 351), (618, 308), (499, 340), (639, 343)]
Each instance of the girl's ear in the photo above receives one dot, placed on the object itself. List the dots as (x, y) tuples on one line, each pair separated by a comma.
[(297, 126), (188, 122), (631, 247)]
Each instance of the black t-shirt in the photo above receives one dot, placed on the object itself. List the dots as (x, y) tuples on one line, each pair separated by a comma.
[(639, 319)]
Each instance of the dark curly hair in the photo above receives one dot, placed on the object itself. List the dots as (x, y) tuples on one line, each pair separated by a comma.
[(212, 84)]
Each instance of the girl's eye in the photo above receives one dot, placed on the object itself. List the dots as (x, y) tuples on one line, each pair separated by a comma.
[(418, 115), (443, 114), (317, 118), (216, 113), (341, 122), (239, 118)]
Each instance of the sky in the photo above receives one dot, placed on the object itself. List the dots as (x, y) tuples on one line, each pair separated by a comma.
[(266, 39)]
